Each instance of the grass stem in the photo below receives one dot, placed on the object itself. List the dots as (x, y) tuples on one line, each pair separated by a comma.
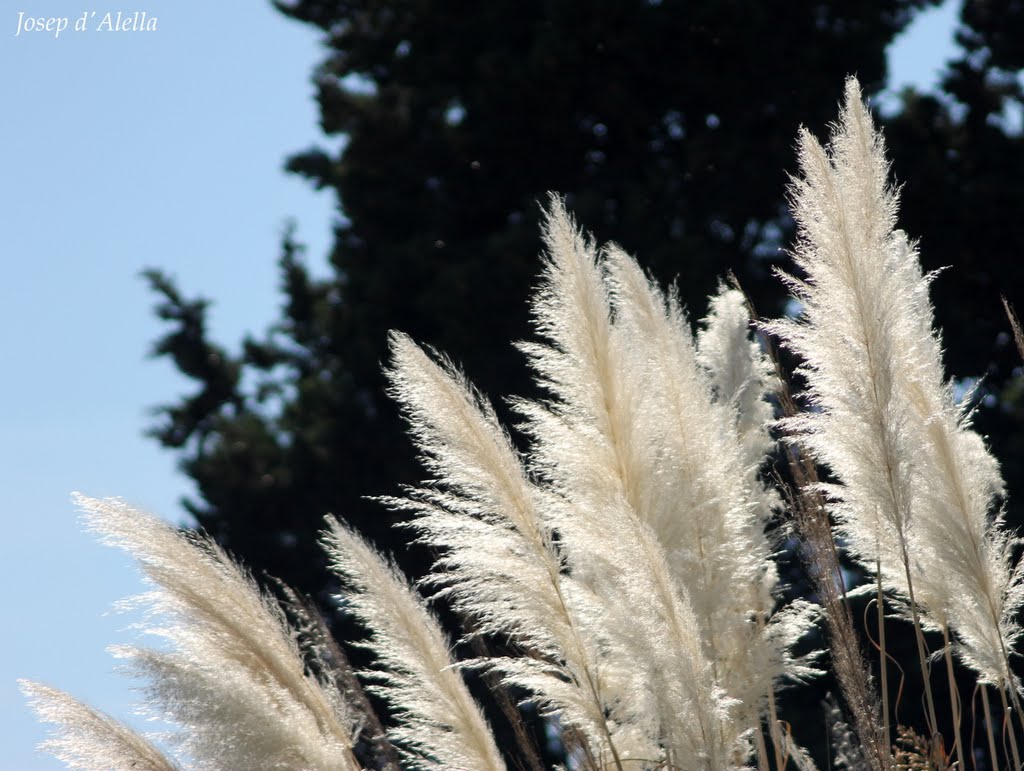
[(954, 697), (762, 751), (773, 725), (1008, 722), (921, 653), (883, 656), (987, 708)]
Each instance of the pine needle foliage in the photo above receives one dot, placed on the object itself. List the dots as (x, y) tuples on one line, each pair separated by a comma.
[(626, 559)]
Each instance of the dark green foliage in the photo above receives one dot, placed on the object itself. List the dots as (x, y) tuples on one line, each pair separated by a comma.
[(667, 125)]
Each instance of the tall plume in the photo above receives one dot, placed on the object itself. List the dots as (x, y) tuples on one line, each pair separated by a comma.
[(916, 485), (629, 403), (633, 434), (741, 375)]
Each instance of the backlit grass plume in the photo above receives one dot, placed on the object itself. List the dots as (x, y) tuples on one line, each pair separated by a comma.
[(440, 725), (917, 485), (230, 675), (499, 564), (621, 553), (89, 739), (628, 400)]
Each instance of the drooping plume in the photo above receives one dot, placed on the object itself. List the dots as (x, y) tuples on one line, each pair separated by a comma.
[(232, 679), (88, 739)]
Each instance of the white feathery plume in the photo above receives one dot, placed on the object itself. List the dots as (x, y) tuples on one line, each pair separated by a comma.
[(498, 564), (916, 484), (742, 376), (592, 445), (707, 505), (979, 600), (860, 423), (233, 679), (441, 727), (88, 739), (977, 591)]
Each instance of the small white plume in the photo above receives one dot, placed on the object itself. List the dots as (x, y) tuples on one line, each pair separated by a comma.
[(441, 727), (233, 679), (88, 739)]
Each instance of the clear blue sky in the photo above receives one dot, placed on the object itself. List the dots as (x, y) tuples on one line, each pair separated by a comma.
[(125, 150)]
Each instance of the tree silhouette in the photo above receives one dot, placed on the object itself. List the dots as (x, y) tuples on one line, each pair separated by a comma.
[(666, 125)]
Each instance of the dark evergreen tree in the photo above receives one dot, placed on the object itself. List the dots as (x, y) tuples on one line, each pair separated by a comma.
[(668, 125)]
